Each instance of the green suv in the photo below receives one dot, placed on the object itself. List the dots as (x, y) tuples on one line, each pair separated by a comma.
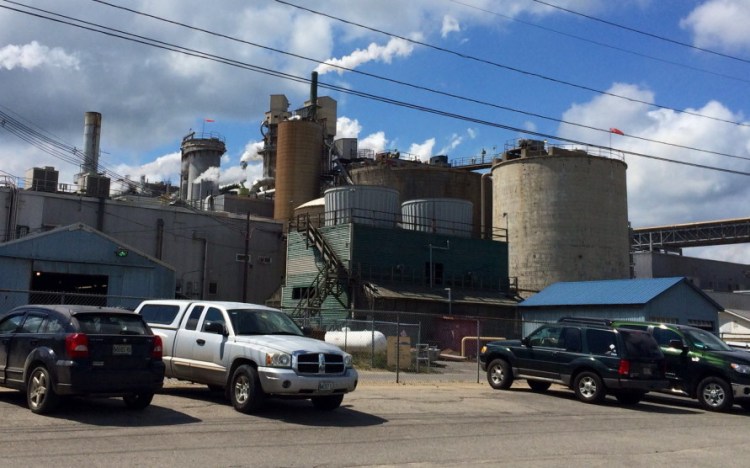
[(593, 359), (700, 365)]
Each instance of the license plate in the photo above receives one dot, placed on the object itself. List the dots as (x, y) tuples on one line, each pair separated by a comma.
[(122, 349), (325, 386)]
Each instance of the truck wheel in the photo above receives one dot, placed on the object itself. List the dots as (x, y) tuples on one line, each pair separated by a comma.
[(138, 401), (328, 402), (499, 374), (40, 396), (245, 390), (589, 388), (714, 394)]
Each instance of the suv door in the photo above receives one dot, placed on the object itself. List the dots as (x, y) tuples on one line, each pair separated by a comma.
[(540, 356)]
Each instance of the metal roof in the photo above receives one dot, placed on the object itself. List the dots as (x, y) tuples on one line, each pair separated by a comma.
[(607, 292)]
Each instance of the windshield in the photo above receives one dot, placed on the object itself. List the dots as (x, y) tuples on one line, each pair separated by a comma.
[(262, 322), (706, 340)]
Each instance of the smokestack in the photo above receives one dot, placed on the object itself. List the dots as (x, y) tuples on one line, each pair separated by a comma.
[(314, 96), (92, 128)]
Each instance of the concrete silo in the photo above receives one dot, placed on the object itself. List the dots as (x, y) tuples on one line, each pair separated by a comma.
[(566, 214), (199, 154), (299, 157)]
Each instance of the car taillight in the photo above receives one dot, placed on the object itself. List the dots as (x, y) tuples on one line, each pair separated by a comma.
[(624, 368), (77, 345), (158, 349)]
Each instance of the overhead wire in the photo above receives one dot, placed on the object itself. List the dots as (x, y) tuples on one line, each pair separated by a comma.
[(399, 82), (199, 54), (508, 67), (644, 33), (600, 44)]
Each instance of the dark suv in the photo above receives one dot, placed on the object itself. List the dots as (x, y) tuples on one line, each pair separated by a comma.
[(700, 365), (591, 358), (52, 350)]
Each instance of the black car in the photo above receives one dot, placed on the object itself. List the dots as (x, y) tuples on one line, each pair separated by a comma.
[(594, 360), (48, 351)]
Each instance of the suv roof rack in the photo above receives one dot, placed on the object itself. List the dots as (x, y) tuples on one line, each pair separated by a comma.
[(587, 320)]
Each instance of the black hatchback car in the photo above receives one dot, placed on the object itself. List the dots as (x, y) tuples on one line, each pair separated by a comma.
[(48, 351), (594, 360)]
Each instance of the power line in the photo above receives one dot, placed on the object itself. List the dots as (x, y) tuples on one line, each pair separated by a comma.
[(507, 67), (411, 85), (644, 33), (362, 94), (602, 44)]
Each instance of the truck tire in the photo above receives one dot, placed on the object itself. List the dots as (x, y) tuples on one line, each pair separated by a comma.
[(538, 385), (40, 396), (138, 401), (245, 391), (715, 394), (626, 397), (589, 388), (327, 402), (499, 374)]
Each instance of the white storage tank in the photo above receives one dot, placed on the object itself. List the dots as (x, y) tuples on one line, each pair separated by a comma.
[(362, 204), (352, 341), (451, 216)]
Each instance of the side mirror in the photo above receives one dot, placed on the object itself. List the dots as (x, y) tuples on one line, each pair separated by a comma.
[(215, 327), (677, 344), (525, 341)]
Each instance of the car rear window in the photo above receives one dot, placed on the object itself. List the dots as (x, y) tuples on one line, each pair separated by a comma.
[(159, 313), (111, 324), (640, 344)]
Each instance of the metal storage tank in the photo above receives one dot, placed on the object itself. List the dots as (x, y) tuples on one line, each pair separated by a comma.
[(439, 215), (362, 204), (298, 161), (566, 213), (314, 210), (418, 181), (199, 154)]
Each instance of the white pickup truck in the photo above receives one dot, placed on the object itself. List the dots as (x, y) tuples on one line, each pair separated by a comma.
[(249, 351)]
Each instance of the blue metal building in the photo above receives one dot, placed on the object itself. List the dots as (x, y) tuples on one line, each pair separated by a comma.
[(670, 300)]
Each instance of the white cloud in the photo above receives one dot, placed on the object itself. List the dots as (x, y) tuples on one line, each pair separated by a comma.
[(720, 23), (450, 24), (422, 151), (375, 141), (395, 48), (661, 192), (33, 55), (252, 152), (455, 141), (347, 128), (163, 169)]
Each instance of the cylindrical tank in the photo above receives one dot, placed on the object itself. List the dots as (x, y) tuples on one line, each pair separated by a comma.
[(439, 215), (198, 156), (298, 161), (352, 341), (362, 204), (314, 210), (417, 181), (566, 216)]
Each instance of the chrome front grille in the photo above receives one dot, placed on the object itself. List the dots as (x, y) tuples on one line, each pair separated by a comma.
[(320, 363)]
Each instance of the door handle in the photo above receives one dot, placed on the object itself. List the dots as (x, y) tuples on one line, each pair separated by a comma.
[(200, 341)]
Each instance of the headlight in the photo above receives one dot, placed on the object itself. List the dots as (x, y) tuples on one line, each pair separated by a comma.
[(348, 361), (741, 368), (278, 360)]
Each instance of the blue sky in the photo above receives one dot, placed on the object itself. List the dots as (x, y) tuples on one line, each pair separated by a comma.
[(672, 76)]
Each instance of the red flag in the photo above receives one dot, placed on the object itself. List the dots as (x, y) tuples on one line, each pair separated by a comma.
[(616, 131), (210, 120)]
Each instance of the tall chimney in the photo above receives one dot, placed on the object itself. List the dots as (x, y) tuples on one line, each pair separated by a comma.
[(92, 128)]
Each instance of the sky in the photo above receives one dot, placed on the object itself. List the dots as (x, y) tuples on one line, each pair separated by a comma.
[(423, 77)]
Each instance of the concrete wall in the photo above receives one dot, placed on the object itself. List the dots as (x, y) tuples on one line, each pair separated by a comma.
[(567, 218)]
